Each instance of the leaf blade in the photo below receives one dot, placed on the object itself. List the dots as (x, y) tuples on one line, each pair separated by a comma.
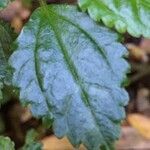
[(130, 16), (6, 39), (65, 72), (6, 143)]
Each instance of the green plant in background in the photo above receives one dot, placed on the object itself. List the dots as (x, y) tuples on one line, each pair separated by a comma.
[(70, 69), (30, 141), (6, 143), (132, 16), (4, 3), (6, 38)]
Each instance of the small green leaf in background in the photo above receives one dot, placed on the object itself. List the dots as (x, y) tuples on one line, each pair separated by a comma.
[(4, 3), (69, 67), (30, 141), (6, 38), (47, 122), (132, 16), (6, 143)]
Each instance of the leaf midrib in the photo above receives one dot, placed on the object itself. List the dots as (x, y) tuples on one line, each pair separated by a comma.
[(36, 62), (70, 65), (101, 49), (68, 61)]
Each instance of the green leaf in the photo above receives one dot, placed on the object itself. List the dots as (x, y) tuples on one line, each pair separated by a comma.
[(4, 3), (69, 67), (6, 143), (47, 122), (6, 39), (132, 16), (30, 143), (33, 146)]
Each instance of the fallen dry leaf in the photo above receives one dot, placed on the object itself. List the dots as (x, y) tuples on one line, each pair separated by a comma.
[(53, 143), (141, 123), (145, 45), (142, 99), (137, 53), (11, 10), (132, 140), (24, 13), (26, 115), (17, 24)]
